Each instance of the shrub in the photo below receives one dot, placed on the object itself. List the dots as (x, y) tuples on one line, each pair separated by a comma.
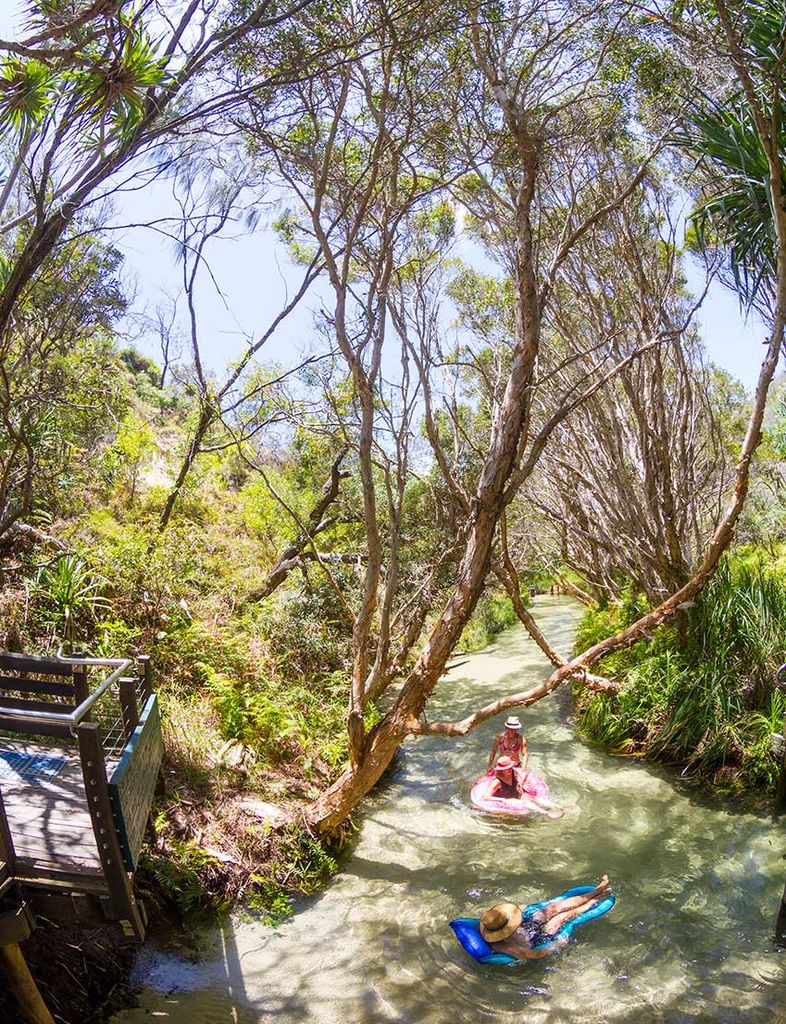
[(701, 692)]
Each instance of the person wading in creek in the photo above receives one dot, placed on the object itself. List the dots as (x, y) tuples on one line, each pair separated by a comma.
[(511, 744)]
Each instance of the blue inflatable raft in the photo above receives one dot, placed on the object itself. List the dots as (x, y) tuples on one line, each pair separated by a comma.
[(467, 929)]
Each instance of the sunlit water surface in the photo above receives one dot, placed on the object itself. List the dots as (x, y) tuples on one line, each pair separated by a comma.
[(690, 939)]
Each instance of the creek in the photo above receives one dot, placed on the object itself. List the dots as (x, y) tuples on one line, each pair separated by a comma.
[(698, 883)]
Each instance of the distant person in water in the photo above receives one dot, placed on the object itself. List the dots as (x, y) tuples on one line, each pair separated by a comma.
[(510, 783), (511, 744), (506, 931)]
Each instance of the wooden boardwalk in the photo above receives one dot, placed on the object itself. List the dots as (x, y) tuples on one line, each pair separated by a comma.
[(48, 816), (72, 825)]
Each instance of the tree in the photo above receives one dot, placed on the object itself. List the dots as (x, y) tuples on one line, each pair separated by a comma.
[(60, 385), (90, 98), (634, 480), (523, 181)]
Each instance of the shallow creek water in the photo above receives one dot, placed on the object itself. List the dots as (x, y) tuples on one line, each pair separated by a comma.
[(689, 941)]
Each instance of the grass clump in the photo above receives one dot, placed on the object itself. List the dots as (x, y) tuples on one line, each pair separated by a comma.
[(701, 693)]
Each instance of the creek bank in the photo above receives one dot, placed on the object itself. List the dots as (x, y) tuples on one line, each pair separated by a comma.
[(700, 695)]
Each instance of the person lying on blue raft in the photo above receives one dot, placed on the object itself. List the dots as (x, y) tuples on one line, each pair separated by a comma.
[(508, 932)]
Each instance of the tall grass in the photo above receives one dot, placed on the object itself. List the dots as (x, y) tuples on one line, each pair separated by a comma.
[(700, 693)]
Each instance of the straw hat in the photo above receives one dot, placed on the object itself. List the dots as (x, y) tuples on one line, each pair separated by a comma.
[(500, 922), (512, 723), (505, 764)]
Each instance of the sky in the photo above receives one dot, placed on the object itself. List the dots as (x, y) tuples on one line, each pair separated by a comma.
[(254, 278)]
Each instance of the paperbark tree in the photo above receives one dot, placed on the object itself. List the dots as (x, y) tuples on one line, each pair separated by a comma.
[(517, 157), (515, 206), (635, 479)]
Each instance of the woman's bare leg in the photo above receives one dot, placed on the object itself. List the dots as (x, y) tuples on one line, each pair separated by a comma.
[(548, 807), (574, 905), (553, 925)]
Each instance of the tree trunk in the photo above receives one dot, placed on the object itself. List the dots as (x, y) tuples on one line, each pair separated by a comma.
[(206, 417)]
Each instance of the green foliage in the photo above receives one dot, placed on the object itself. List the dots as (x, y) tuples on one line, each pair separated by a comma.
[(174, 884), (700, 693), (301, 865), (493, 613), (70, 595), (736, 212), (283, 720), (26, 92)]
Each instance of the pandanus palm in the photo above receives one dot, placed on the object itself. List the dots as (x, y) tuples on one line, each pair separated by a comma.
[(736, 212)]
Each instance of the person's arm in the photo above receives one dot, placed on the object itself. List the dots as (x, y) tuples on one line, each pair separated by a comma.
[(493, 757), (523, 754)]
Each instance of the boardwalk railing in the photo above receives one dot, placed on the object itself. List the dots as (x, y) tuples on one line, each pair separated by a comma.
[(72, 842)]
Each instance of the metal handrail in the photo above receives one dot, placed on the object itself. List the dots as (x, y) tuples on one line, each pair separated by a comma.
[(68, 660), (71, 718)]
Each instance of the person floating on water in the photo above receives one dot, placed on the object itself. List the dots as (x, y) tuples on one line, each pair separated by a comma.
[(507, 930), (510, 744), (510, 783)]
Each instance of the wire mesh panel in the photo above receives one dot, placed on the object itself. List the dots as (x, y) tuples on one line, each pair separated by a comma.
[(23, 767)]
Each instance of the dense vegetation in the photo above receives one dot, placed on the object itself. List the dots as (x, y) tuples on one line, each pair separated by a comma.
[(702, 693)]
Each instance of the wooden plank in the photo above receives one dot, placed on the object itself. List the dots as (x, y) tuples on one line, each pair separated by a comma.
[(23, 685), (48, 816), (61, 877), (60, 732), (40, 666), (134, 780), (26, 704)]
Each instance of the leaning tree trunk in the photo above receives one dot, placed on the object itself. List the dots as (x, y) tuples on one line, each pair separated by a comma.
[(381, 744)]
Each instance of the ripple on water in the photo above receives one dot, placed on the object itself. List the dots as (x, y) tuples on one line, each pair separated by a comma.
[(687, 943)]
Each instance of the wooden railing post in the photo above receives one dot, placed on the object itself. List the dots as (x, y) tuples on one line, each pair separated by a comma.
[(128, 706), (146, 673), (7, 852), (121, 894), (81, 686)]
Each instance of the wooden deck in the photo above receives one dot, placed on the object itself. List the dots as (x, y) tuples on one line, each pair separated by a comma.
[(70, 841), (48, 817)]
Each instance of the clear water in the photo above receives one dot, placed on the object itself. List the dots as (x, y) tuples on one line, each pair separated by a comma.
[(689, 942)]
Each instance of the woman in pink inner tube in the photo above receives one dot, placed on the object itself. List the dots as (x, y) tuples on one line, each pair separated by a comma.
[(527, 789), (515, 781)]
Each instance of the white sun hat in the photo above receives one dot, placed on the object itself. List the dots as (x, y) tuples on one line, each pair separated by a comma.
[(512, 722)]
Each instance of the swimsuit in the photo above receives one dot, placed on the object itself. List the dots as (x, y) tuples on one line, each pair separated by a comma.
[(509, 750), (535, 935), (507, 790)]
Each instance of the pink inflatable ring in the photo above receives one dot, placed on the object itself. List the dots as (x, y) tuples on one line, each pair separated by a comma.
[(534, 786)]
